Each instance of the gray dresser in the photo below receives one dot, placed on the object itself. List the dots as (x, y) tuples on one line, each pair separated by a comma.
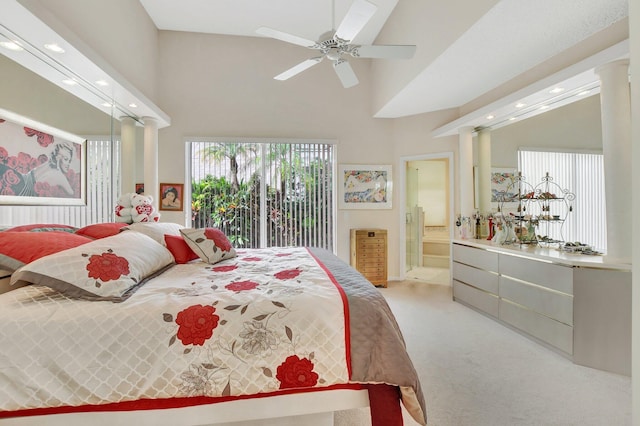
[(576, 305)]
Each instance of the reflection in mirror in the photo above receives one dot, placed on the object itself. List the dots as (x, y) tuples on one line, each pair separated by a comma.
[(29, 95)]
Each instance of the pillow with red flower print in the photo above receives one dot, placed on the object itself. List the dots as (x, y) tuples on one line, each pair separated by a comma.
[(110, 268), (19, 248), (209, 243)]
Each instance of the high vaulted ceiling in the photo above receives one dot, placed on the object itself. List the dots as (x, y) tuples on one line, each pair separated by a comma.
[(500, 40), (481, 56)]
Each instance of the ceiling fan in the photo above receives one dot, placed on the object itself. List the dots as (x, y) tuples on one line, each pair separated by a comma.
[(335, 46)]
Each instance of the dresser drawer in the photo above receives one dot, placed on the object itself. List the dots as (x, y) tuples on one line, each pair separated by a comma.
[(371, 252), (481, 259), (556, 277), (558, 306), (365, 241), (537, 325), (484, 280), (479, 299)]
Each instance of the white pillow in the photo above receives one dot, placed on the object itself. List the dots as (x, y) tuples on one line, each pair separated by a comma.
[(155, 230), (110, 268)]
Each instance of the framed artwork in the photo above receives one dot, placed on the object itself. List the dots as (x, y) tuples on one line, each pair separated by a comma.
[(503, 187), (40, 165), (139, 188), (171, 196), (364, 186)]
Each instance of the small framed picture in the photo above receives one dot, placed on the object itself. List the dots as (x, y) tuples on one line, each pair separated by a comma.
[(140, 188), (171, 196)]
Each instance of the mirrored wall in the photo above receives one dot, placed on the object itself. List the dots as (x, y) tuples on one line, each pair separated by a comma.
[(28, 95)]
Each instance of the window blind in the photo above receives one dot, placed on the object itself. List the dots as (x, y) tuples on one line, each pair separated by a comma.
[(581, 173), (264, 193)]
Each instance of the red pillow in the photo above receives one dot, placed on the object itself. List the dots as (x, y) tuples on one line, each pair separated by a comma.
[(101, 230), (179, 248), (19, 248), (42, 227)]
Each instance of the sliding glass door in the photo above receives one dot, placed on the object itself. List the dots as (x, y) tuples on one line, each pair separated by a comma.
[(264, 193)]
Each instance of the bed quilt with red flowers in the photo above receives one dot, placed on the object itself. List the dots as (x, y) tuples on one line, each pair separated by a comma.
[(266, 321)]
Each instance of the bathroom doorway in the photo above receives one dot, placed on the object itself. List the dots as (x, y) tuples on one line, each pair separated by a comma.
[(428, 193)]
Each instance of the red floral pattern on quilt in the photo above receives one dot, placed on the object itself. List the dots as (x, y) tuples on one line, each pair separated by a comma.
[(225, 268), (238, 286), (197, 323), (296, 372), (256, 317), (287, 274)]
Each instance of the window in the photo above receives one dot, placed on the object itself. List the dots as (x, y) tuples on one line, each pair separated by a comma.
[(581, 173), (264, 193)]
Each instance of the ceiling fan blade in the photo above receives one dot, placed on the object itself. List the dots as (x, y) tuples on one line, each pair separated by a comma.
[(356, 18), (345, 73), (298, 68), (385, 52), (289, 38)]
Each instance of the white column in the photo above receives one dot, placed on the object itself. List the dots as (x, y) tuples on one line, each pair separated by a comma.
[(151, 183), (484, 171), (634, 47), (615, 105), (465, 171), (128, 155)]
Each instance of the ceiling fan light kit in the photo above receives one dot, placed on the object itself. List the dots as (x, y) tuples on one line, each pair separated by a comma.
[(334, 47)]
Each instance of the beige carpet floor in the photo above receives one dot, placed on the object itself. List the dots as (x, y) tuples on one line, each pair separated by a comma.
[(476, 372)]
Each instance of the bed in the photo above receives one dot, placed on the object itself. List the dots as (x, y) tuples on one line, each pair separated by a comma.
[(160, 324)]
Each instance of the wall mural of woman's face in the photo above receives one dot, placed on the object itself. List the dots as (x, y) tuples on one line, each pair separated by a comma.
[(64, 160)]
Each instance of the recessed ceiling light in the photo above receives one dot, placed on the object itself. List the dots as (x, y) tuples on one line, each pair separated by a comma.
[(70, 82), (106, 104), (520, 105), (584, 92), (11, 45), (512, 118), (101, 83), (490, 117), (544, 107), (133, 105), (556, 90), (54, 47)]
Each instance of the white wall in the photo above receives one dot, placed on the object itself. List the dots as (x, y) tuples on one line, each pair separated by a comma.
[(574, 126), (223, 86)]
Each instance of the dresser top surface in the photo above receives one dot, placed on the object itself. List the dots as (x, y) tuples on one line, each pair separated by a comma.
[(546, 254)]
